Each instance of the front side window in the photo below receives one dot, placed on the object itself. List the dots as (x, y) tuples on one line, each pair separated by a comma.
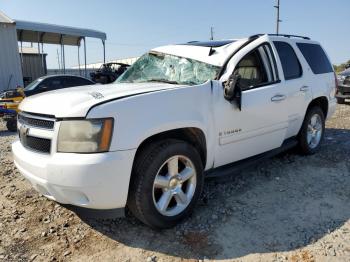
[(316, 58), (256, 68), (290, 63), (159, 67)]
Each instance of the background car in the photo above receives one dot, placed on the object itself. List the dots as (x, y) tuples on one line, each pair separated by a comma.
[(108, 72), (341, 76), (10, 100), (343, 91), (54, 82)]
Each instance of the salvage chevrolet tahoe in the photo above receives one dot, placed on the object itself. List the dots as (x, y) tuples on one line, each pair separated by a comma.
[(180, 113)]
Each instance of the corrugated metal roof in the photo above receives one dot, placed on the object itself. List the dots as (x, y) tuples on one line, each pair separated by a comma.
[(4, 19), (51, 33)]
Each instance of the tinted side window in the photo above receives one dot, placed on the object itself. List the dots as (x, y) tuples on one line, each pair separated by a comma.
[(316, 58), (290, 63), (52, 83), (76, 81), (83, 81)]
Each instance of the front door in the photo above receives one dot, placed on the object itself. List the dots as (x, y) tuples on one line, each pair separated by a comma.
[(261, 123)]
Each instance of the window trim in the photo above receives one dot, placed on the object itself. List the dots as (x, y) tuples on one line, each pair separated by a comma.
[(277, 80), (300, 66)]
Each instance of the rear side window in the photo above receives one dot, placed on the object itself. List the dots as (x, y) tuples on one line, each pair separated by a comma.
[(290, 63), (316, 58), (76, 81)]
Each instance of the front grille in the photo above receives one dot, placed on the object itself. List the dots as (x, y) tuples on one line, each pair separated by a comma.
[(346, 81), (36, 122), (42, 145)]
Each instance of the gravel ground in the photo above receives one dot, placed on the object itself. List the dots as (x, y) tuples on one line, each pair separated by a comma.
[(288, 208)]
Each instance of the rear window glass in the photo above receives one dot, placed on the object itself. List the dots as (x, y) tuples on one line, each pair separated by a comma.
[(316, 58), (290, 63)]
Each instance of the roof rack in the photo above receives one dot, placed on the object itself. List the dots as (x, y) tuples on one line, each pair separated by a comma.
[(284, 35)]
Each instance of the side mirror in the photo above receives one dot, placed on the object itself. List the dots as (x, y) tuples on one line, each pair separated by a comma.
[(233, 90)]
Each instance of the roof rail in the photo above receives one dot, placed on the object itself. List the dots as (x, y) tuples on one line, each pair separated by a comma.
[(284, 35)]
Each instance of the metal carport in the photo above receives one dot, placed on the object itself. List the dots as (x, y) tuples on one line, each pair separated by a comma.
[(43, 33)]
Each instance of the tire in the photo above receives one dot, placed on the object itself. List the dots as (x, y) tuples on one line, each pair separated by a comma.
[(11, 125), (341, 100), (310, 146), (145, 195)]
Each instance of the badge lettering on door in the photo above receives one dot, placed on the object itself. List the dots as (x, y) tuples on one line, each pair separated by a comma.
[(230, 132)]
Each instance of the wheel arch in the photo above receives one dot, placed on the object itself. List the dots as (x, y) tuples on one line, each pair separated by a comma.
[(192, 135), (321, 102)]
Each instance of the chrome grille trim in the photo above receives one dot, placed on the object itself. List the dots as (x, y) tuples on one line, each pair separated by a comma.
[(36, 121)]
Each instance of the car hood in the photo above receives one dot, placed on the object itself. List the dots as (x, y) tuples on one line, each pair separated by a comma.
[(76, 101)]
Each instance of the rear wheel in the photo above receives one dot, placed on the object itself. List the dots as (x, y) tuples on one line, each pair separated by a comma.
[(11, 125), (166, 183), (312, 131)]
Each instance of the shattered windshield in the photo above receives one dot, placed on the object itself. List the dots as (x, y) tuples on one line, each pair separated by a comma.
[(159, 67)]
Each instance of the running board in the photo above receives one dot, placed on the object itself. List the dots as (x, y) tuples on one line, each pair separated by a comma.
[(236, 167)]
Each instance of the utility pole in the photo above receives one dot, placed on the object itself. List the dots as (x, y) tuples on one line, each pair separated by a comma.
[(278, 17), (211, 33), (58, 60)]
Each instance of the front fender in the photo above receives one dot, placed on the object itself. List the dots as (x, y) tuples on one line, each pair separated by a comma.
[(141, 116)]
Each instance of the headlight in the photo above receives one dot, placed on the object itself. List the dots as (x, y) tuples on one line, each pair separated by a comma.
[(85, 136)]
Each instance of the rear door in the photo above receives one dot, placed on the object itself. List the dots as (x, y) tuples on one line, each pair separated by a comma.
[(296, 82)]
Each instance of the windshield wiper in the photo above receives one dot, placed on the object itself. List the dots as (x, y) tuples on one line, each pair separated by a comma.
[(163, 81)]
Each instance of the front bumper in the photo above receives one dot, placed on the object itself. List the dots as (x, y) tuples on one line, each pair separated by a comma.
[(95, 181), (343, 91)]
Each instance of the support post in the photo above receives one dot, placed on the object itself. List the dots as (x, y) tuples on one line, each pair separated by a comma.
[(104, 51), (85, 56), (42, 53), (41, 73), (64, 60), (61, 41), (79, 41)]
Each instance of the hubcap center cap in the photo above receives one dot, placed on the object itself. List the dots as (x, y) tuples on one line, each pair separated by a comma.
[(174, 182)]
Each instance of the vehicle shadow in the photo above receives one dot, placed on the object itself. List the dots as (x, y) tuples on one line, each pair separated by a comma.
[(284, 203), (5, 133)]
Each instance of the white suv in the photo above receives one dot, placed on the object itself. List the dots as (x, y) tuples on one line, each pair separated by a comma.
[(178, 114)]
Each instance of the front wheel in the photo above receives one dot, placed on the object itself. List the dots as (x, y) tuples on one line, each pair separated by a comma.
[(11, 125), (166, 183), (312, 131)]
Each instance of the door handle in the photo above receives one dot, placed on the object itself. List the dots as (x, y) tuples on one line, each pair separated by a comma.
[(304, 88), (277, 98)]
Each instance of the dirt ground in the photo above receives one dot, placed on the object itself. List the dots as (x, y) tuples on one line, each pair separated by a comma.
[(288, 208)]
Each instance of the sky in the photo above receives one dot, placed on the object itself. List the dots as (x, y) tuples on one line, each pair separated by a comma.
[(135, 26)]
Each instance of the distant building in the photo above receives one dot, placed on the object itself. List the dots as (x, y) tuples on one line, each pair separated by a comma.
[(10, 63), (29, 64), (33, 64)]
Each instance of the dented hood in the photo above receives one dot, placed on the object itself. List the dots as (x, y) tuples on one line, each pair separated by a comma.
[(76, 101)]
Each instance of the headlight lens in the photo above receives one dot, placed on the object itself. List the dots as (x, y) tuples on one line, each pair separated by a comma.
[(85, 136)]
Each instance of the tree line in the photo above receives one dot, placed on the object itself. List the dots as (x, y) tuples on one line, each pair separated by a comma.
[(341, 67)]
